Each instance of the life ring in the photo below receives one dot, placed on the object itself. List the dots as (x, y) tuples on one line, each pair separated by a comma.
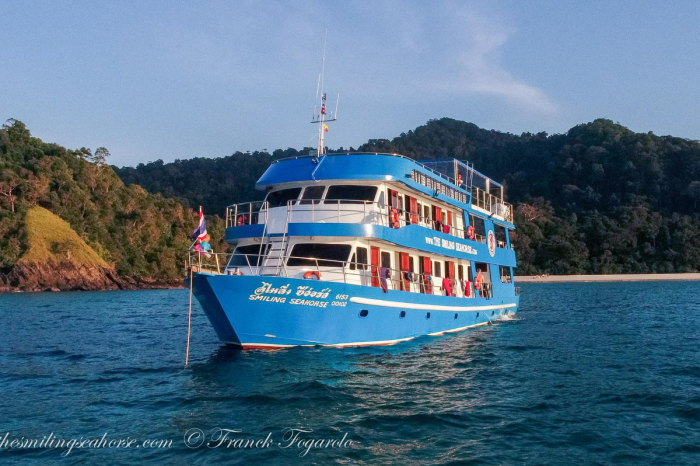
[(470, 232), (312, 273), (394, 218), (242, 220)]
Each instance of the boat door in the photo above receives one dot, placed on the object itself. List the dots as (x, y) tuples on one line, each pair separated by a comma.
[(374, 253), (426, 270)]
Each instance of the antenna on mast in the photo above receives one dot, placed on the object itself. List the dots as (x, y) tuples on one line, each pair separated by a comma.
[(320, 118)]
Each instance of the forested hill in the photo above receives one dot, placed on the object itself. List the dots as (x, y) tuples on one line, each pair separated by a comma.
[(67, 221), (598, 199), (214, 183)]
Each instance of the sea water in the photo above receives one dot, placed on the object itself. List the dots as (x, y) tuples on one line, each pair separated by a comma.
[(605, 373)]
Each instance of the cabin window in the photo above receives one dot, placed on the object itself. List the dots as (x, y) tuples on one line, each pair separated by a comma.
[(500, 233), (506, 274), (325, 255), (362, 258), (350, 194), (386, 260), (280, 198), (437, 268), (248, 255), (411, 267), (312, 194), (353, 262), (479, 227), (426, 214), (460, 272)]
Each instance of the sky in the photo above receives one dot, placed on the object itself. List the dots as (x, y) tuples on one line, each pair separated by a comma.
[(175, 80)]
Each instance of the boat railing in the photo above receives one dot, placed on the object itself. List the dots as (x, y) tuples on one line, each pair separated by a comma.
[(336, 211), (332, 271), (344, 211), (376, 213), (210, 262), (492, 204), (246, 213)]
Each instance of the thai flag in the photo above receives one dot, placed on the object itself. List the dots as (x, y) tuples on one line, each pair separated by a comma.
[(201, 230)]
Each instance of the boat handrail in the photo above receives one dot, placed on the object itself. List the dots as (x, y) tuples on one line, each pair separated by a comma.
[(245, 213), (374, 213), (383, 212), (217, 264)]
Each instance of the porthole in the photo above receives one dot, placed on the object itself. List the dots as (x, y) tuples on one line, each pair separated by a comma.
[(455, 316), (427, 316), (403, 314), (364, 312)]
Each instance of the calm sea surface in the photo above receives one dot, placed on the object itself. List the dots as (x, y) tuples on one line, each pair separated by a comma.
[(585, 374)]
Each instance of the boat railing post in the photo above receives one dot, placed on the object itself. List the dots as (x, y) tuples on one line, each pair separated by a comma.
[(218, 270), (345, 278), (338, 201), (248, 262)]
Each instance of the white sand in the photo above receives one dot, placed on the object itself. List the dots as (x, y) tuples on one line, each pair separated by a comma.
[(633, 277)]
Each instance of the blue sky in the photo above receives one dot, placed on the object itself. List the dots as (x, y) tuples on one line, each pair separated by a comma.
[(166, 80)]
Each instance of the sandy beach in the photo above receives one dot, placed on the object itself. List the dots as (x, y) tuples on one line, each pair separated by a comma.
[(642, 277)]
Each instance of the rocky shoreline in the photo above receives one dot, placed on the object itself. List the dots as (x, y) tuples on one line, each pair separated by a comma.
[(67, 276)]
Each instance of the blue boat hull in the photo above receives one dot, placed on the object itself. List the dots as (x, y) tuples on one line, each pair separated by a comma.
[(273, 312)]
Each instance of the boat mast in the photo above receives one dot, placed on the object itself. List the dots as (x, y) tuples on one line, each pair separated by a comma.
[(322, 117)]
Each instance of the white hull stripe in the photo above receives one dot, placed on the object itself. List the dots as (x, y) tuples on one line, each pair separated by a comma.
[(437, 334), (428, 307), (363, 343)]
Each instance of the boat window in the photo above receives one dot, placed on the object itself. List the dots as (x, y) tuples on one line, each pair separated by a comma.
[(426, 214), (500, 233), (438, 272), (505, 274), (312, 195), (248, 255), (411, 267), (280, 198), (353, 262), (478, 223), (350, 194), (386, 260), (326, 255), (362, 258)]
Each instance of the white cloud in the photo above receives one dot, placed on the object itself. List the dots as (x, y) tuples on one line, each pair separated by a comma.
[(476, 46)]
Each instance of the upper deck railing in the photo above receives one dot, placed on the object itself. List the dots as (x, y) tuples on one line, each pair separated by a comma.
[(246, 213), (349, 211)]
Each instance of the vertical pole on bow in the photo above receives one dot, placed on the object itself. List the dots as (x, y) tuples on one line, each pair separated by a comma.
[(189, 322)]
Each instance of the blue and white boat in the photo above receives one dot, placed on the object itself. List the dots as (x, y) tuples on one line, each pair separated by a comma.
[(358, 249)]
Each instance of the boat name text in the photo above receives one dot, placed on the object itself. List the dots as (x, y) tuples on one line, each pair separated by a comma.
[(451, 245)]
